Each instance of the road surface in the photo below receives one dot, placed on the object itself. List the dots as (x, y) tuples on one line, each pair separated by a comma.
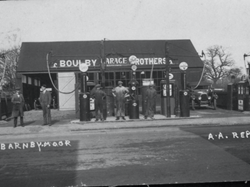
[(149, 155)]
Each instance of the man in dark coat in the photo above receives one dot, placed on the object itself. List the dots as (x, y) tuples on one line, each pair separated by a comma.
[(150, 100), (17, 109), (120, 93), (45, 101), (99, 96)]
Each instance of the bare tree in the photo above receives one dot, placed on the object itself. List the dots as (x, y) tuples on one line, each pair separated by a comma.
[(2, 70), (217, 63), (8, 64), (8, 59)]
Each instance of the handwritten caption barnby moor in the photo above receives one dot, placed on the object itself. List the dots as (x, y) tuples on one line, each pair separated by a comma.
[(32, 145)]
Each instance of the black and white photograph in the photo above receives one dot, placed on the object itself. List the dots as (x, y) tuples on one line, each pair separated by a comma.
[(124, 93)]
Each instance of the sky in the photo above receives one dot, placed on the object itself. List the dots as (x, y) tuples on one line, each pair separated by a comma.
[(205, 22)]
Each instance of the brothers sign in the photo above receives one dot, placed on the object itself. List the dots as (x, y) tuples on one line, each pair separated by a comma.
[(73, 63)]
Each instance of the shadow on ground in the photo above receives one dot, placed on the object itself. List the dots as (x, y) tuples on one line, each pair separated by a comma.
[(54, 165), (232, 139)]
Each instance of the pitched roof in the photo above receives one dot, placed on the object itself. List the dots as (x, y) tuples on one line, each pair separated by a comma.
[(33, 54)]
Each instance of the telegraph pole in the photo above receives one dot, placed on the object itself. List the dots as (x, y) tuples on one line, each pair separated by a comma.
[(103, 64), (167, 80), (103, 68)]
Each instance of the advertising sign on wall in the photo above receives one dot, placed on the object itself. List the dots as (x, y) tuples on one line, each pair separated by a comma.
[(110, 62)]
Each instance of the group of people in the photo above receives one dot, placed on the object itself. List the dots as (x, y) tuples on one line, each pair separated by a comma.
[(18, 104), (120, 94)]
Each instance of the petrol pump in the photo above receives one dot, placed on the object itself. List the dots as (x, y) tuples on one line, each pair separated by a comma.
[(134, 101), (247, 97), (172, 95), (84, 94), (240, 96), (184, 95), (243, 96)]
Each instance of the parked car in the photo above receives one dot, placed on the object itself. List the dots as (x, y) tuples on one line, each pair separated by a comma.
[(203, 96)]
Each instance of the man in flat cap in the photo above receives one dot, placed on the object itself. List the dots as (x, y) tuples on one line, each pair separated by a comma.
[(150, 101), (45, 101), (17, 109), (99, 96), (120, 93)]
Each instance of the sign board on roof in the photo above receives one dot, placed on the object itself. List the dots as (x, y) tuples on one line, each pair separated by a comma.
[(110, 62)]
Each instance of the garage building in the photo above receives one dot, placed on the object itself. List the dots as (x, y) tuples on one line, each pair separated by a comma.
[(57, 65)]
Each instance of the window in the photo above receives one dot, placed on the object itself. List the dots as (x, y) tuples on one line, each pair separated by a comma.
[(29, 80), (24, 79), (157, 76), (91, 77), (125, 77), (35, 82), (112, 78)]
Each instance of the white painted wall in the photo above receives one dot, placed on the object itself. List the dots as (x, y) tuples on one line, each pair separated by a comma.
[(66, 83)]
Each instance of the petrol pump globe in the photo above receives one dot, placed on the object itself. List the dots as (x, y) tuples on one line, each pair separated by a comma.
[(132, 59)]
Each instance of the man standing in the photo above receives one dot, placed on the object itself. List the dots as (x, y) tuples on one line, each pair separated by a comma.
[(120, 93), (150, 101), (45, 100), (17, 110), (99, 96)]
